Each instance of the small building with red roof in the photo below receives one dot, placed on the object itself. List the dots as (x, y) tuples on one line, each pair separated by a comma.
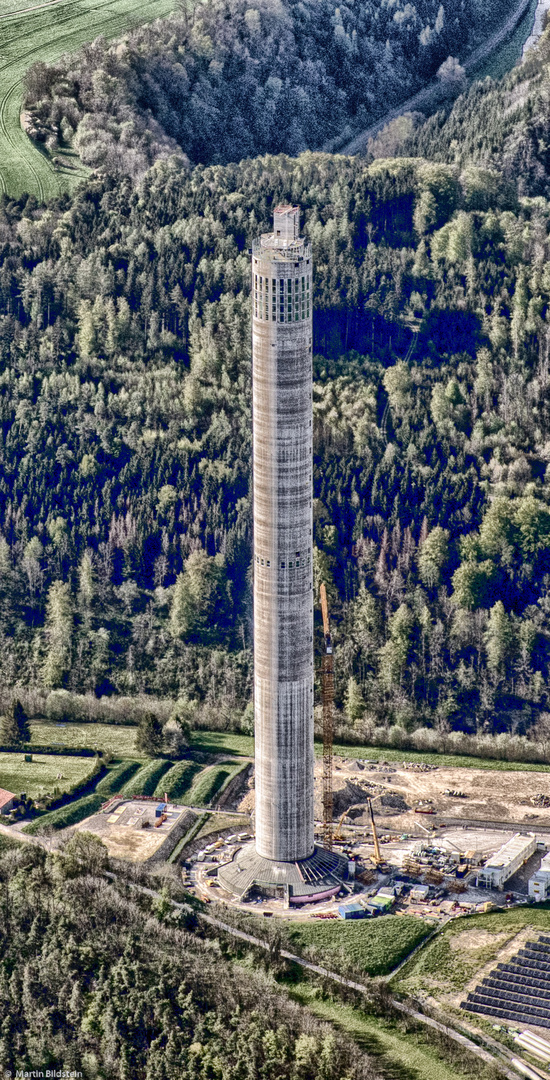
[(7, 801)]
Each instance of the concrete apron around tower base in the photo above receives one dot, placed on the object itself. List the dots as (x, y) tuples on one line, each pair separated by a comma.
[(318, 877)]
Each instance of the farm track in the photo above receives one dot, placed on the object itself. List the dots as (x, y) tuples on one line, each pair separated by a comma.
[(23, 167), (37, 7), (426, 98)]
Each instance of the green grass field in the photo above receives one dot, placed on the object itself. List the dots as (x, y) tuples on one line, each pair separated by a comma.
[(454, 761), (464, 946), (400, 1054), (222, 742), (45, 32), (117, 740), (44, 773), (376, 946), (120, 741)]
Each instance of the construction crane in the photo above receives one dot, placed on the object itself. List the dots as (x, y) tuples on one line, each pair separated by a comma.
[(377, 855), (327, 697), (378, 860)]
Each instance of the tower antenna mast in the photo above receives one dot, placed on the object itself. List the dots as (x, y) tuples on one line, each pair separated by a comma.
[(327, 696)]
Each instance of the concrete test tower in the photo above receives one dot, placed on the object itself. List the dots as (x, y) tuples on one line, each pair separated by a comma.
[(284, 860)]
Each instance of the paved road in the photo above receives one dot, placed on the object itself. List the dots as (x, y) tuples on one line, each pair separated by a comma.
[(507, 826), (427, 96)]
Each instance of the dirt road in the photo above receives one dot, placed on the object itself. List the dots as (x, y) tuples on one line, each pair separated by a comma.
[(428, 96)]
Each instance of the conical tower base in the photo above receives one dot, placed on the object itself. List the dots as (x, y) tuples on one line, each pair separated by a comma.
[(318, 877)]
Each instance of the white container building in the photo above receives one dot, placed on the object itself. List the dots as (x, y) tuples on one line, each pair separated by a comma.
[(539, 884), (506, 861)]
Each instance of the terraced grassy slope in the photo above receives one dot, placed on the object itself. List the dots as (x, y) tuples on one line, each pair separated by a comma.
[(176, 782), (210, 783), (43, 31), (145, 781)]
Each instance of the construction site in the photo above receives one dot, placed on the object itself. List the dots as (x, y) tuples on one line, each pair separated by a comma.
[(411, 837), (139, 829)]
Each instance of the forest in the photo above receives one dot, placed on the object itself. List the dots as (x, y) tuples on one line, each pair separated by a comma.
[(116, 987), (221, 81), (125, 391), (502, 125), (125, 556)]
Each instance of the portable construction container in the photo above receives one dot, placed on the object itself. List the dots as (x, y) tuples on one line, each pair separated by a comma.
[(160, 810), (383, 903), (539, 884), (420, 892), (351, 911)]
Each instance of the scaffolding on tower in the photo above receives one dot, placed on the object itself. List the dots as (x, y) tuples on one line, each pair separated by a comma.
[(327, 697)]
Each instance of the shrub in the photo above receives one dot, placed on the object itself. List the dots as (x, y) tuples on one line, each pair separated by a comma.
[(150, 737), (66, 815), (86, 708)]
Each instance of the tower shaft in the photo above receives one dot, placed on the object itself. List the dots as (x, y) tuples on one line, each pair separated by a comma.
[(283, 584)]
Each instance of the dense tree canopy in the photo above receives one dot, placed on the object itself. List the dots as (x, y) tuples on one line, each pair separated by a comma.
[(92, 981), (223, 81), (500, 126), (125, 560)]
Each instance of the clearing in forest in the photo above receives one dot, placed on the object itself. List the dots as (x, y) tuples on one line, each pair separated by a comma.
[(43, 774), (44, 31), (119, 740)]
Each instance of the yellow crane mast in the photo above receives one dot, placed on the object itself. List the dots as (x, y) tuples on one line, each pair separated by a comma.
[(377, 854), (327, 697)]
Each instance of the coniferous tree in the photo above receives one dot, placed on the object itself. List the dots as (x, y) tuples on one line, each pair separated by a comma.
[(15, 728), (150, 735)]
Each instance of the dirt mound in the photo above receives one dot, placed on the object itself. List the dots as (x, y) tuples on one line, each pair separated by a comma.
[(540, 800), (393, 801), (347, 796)]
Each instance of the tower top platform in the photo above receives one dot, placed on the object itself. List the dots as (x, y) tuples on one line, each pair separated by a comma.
[(286, 223), (284, 243)]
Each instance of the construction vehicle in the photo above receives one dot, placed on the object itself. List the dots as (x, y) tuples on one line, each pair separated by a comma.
[(377, 859), (338, 836), (327, 697)]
